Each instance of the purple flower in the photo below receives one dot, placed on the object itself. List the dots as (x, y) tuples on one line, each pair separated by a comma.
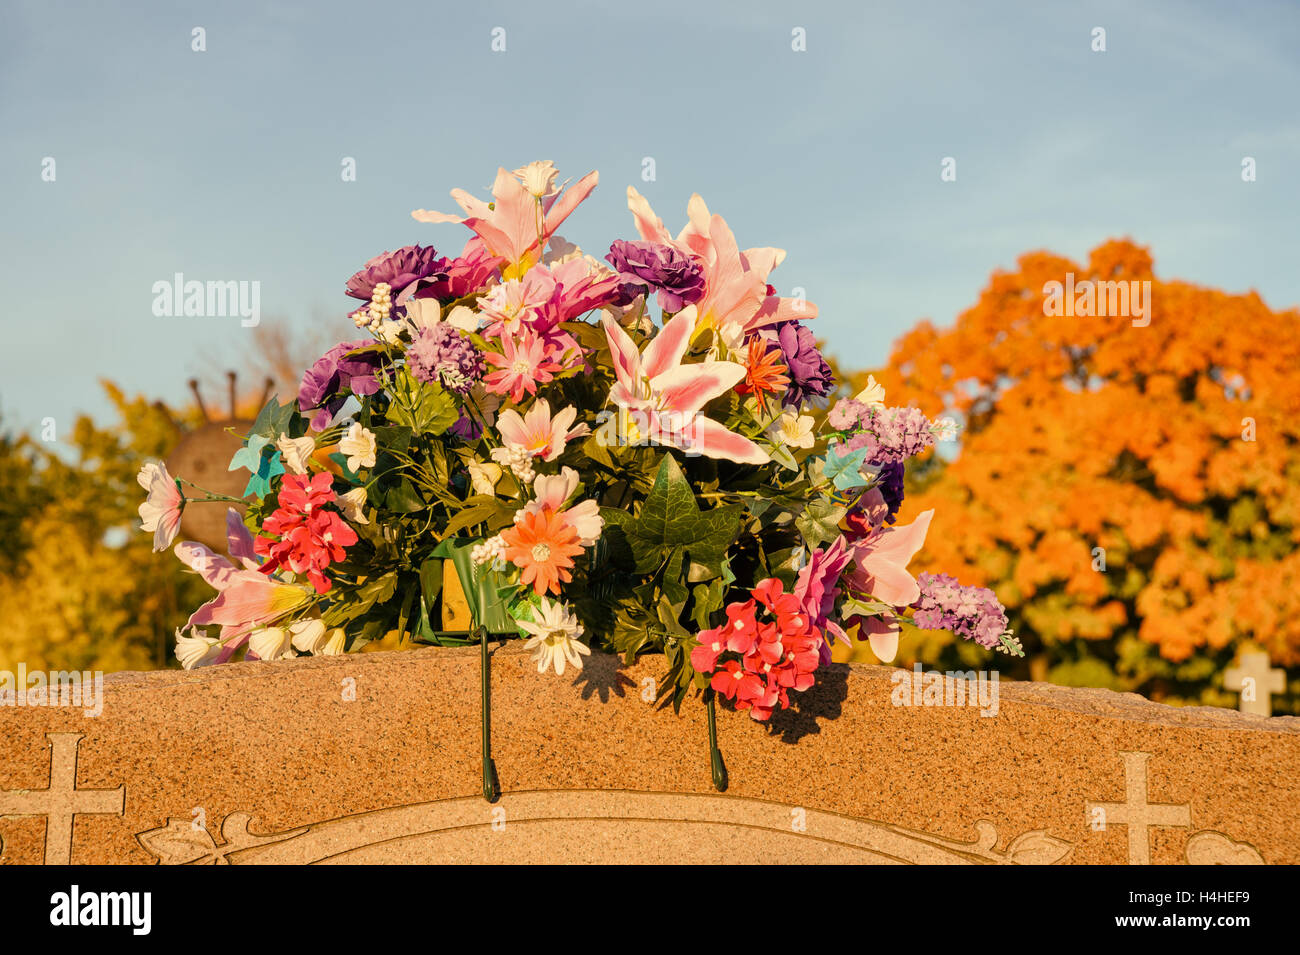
[(399, 269), (466, 428), (891, 486), (845, 415), (973, 613), (889, 434), (810, 375), (643, 265), (444, 354), (456, 278), (336, 375)]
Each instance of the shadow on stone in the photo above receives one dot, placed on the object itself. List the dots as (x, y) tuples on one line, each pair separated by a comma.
[(824, 700), (600, 674)]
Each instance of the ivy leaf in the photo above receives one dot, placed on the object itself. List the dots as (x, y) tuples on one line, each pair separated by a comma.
[(274, 419), (424, 407), (819, 522), (671, 518)]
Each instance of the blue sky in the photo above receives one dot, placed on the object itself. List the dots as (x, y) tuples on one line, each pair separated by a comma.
[(225, 164)]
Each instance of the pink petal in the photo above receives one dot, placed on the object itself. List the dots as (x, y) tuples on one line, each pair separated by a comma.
[(899, 544), (567, 202), (713, 440), (883, 637), (687, 388), (212, 567), (239, 540), (666, 349), (648, 224), (623, 352)]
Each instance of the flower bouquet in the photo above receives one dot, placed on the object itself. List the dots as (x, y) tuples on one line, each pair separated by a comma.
[(620, 453)]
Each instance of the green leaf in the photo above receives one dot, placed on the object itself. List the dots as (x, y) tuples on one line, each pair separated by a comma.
[(819, 522), (361, 600), (423, 407), (485, 510), (274, 419), (671, 518)]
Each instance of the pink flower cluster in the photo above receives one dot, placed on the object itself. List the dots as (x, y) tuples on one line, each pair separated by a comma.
[(305, 537), (770, 645), (890, 435), (525, 316)]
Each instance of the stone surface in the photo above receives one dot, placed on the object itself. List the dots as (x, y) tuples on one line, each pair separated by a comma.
[(377, 758)]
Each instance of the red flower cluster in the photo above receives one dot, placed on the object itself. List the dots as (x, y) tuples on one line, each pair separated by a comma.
[(310, 538), (779, 648)]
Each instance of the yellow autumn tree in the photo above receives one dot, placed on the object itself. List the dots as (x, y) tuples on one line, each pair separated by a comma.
[(1128, 484), (80, 584)]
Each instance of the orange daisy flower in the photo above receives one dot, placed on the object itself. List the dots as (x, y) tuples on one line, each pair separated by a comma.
[(764, 373), (542, 545)]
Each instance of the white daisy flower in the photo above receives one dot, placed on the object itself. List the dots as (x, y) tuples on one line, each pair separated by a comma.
[(555, 637)]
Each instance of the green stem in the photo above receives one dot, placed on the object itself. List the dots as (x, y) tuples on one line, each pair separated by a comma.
[(491, 786), (720, 779)]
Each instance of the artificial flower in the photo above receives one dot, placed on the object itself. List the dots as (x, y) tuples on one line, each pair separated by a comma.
[(301, 534), (308, 636), (554, 641), (643, 267), (811, 378), (542, 545), (398, 270), (552, 491), (161, 510), (483, 476), (873, 395), (196, 650), (764, 373), (263, 465), (880, 561), (509, 225), (444, 354), (353, 505), (359, 447), (538, 178), (523, 363), (665, 396), (793, 430), (348, 367), (271, 643), (537, 432), (296, 452)]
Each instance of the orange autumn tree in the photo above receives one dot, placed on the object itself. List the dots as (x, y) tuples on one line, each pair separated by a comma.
[(1131, 491)]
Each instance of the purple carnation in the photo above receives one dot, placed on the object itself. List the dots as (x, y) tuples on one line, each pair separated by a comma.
[(337, 375), (810, 375), (399, 269), (444, 354), (973, 613), (643, 265)]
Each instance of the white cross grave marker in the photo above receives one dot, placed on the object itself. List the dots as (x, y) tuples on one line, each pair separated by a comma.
[(1256, 683)]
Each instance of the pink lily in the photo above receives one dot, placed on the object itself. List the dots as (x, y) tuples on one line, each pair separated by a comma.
[(737, 299), (664, 396), (246, 597), (881, 560), (512, 226)]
